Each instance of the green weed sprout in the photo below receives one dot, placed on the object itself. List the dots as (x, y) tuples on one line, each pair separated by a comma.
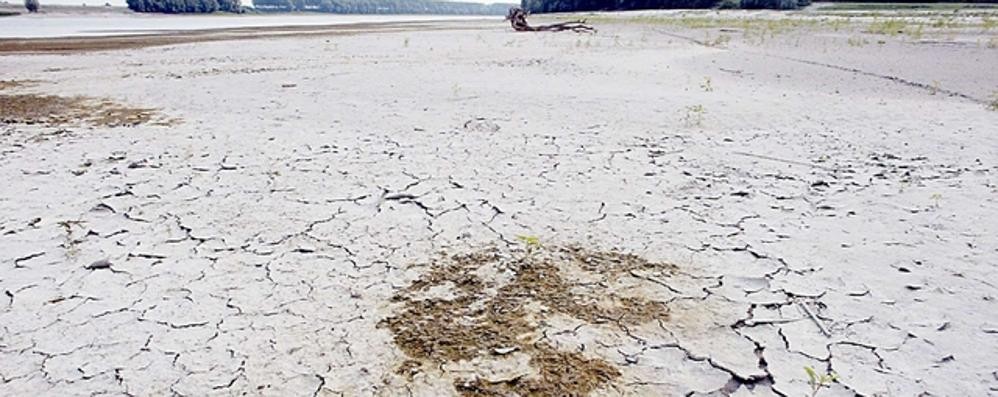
[(817, 382), (532, 242)]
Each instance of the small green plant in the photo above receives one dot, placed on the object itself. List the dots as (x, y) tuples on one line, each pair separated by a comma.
[(946, 22), (706, 86), (838, 24), (694, 115), (817, 382), (857, 42), (888, 27), (531, 242), (993, 105), (988, 23), (917, 34), (936, 197), (720, 41)]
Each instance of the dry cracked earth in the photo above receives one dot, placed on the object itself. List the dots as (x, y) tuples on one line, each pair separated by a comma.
[(485, 213)]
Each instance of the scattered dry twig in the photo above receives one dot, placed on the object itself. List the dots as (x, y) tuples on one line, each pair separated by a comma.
[(821, 327)]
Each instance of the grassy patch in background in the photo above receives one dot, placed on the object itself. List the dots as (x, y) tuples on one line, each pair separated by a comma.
[(905, 6)]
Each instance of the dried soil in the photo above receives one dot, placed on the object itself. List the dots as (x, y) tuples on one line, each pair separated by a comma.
[(54, 110), (496, 300)]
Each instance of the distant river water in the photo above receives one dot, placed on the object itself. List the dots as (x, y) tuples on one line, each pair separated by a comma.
[(36, 26)]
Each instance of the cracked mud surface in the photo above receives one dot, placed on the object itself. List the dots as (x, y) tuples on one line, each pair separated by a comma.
[(310, 208)]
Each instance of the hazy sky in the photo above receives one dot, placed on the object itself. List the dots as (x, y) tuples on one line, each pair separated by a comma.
[(249, 2)]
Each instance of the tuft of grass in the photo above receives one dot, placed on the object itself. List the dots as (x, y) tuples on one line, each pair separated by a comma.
[(531, 242), (890, 27), (946, 22), (917, 33), (857, 41), (819, 381), (993, 105), (904, 6), (694, 115), (837, 24), (720, 41), (936, 198), (988, 23), (706, 85)]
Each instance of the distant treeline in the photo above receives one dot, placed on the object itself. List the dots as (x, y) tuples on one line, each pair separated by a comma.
[(332, 6), (541, 6), (910, 1), (185, 6), (381, 7)]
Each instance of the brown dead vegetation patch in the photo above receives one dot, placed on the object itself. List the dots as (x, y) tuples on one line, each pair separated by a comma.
[(54, 110), (560, 374), (487, 304)]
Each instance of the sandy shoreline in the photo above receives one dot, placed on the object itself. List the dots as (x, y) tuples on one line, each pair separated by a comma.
[(160, 38), (672, 206)]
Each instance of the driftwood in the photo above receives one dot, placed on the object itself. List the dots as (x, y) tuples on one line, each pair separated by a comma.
[(821, 327), (517, 17)]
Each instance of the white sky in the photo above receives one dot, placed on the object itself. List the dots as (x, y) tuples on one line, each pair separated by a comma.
[(248, 2)]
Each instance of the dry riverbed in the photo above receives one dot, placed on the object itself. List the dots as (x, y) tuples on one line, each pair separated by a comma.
[(680, 204)]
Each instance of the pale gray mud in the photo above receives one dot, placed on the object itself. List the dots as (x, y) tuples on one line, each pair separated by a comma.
[(260, 242)]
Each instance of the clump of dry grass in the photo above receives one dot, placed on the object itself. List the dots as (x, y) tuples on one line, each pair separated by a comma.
[(890, 26), (694, 115), (54, 110), (560, 374), (493, 302)]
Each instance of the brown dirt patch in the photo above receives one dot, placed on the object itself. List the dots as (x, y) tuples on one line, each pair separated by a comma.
[(488, 303), (54, 110), (560, 374)]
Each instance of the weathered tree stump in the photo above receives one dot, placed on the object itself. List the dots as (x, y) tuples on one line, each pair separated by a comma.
[(517, 17)]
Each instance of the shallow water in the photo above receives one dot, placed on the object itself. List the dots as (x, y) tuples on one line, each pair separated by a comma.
[(34, 26)]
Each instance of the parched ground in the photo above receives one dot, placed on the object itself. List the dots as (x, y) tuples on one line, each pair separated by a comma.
[(669, 207)]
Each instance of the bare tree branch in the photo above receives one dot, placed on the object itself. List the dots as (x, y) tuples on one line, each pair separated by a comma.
[(517, 17)]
